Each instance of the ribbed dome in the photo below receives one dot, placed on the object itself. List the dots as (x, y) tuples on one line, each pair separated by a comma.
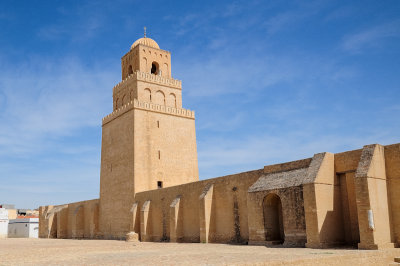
[(145, 41)]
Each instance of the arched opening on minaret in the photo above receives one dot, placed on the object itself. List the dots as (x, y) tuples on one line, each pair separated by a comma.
[(147, 95), (155, 68), (130, 70), (123, 102), (172, 100), (159, 98)]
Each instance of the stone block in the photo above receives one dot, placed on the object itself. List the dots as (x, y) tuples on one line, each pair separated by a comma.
[(132, 237)]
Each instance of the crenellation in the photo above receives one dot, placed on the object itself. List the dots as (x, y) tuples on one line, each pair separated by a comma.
[(147, 77), (149, 107)]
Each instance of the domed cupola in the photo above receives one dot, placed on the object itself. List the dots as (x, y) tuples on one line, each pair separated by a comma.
[(145, 41)]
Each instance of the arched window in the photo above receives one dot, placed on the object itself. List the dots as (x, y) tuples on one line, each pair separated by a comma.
[(160, 98), (130, 70), (116, 103), (123, 100), (155, 68), (144, 63), (147, 95), (172, 100)]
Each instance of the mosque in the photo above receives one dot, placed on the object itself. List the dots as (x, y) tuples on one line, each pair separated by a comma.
[(149, 181)]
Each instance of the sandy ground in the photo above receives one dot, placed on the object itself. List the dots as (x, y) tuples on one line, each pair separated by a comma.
[(110, 252)]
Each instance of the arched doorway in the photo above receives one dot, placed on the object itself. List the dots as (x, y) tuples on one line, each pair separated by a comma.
[(273, 220)]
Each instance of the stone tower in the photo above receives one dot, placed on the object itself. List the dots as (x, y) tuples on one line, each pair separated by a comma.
[(148, 141)]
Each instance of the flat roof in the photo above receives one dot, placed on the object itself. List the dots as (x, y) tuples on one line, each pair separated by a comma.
[(24, 221)]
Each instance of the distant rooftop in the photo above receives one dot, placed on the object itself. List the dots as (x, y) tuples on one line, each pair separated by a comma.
[(7, 206)]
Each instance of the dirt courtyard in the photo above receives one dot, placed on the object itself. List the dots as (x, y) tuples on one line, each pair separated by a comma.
[(110, 252)]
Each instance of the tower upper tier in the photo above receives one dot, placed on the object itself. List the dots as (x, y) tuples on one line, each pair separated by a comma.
[(146, 56), (146, 77)]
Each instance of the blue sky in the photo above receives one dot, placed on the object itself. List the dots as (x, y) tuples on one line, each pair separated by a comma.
[(270, 81)]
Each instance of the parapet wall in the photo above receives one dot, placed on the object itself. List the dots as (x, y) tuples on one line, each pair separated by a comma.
[(136, 104), (150, 78)]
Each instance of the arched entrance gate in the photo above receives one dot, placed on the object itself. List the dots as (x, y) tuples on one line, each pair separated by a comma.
[(273, 219)]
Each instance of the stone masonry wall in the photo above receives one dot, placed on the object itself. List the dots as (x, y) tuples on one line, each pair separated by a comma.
[(225, 215), (73, 220), (392, 161)]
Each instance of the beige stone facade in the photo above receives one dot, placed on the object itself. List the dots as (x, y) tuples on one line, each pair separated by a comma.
[(149, 181)]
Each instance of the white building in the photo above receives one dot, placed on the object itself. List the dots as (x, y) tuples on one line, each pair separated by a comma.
[(26, 227), (3, 223)]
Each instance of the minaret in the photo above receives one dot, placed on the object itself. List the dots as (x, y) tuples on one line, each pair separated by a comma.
[(148, 141)]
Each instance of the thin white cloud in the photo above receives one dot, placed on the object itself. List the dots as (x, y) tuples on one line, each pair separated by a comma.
[(51, 185), (340, 13), (78, 32), (256, 72), (293, 16), (372, 37), (45, 100), (227, 74), (222, 156), (79, 23), (49, 108), (282, 20)]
